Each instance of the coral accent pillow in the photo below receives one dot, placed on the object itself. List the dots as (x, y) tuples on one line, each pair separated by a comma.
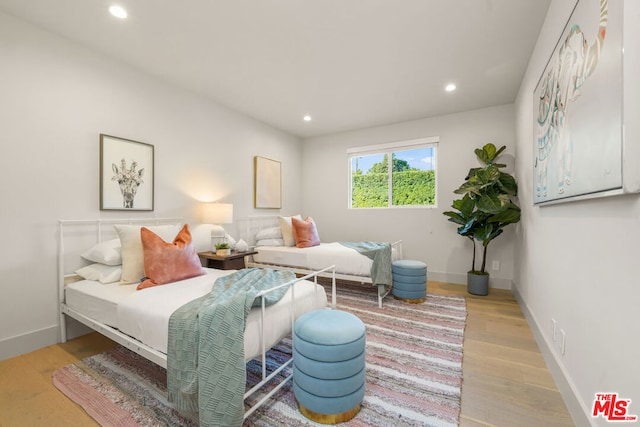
[(305, 232), (132, 253), (168, 262)]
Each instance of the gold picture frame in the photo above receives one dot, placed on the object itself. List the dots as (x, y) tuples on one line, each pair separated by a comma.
[(267, 183)]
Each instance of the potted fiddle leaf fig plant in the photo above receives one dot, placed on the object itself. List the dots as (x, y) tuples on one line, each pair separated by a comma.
[(484, 210)]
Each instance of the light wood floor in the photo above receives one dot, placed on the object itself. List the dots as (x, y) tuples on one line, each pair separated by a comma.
[(506, 382)]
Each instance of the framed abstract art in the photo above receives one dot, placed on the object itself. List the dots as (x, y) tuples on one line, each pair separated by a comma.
[(578, 108), (267, 183)]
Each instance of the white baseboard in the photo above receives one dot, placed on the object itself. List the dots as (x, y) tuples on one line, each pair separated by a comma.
[(25, 343), (461, 279), (578, 412), (35, 340)]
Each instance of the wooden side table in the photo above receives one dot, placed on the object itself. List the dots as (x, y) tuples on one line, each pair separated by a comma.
[(235, 261)]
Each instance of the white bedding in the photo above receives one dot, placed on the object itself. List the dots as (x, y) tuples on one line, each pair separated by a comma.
[(144, 314), (97, 300), (346, 260)]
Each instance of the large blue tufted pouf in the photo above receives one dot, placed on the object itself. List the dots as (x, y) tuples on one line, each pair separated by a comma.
[(329, 365), (409, 280)]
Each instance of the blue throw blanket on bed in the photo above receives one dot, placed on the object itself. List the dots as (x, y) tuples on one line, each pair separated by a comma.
[(380, 253), (206, 368)]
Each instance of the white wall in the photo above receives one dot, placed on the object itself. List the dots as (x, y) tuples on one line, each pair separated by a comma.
[(56, 98), (426, 234), (577, 261)]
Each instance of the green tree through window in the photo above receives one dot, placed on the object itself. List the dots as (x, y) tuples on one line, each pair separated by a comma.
[(412, 181)]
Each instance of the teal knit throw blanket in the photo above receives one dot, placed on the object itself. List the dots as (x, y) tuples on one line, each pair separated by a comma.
[(380, 253), (206, 367)]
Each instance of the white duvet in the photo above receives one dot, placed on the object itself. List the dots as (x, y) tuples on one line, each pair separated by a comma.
[(346, 260), (144, 315)]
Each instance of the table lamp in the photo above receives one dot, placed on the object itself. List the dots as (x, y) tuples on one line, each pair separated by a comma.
[(217, 214)]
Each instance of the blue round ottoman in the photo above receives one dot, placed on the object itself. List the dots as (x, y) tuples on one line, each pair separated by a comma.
[(409, 280), (329, 365)]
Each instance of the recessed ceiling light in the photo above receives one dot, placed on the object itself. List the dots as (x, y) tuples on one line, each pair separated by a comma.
[(307, 118), (118, 11), (450, 87)]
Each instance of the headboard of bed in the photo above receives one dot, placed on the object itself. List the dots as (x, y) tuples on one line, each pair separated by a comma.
[(250, 226), (76, 236)]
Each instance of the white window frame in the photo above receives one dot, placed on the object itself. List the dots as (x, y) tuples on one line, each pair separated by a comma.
[(389, 148)]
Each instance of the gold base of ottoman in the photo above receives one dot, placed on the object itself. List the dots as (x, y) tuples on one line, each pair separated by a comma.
[(411, 301), (329, 418)]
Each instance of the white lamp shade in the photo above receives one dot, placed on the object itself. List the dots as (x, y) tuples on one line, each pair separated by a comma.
[(217, 213)]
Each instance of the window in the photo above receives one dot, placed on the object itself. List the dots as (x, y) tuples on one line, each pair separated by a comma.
[(412, 181)]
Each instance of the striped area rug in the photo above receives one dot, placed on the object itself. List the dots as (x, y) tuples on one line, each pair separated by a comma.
[(413, 362)]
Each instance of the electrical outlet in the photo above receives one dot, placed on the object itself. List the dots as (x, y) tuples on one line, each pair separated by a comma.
[(554, 326), (495, 265), (562, 342)]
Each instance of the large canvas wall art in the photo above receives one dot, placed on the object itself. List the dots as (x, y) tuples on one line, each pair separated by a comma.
[(267, 183), (578, 140)]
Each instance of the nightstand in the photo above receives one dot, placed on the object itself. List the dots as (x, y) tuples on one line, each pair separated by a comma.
[(235, 261)]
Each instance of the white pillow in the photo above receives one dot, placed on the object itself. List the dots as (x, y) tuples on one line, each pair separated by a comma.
[(101, 272), (270, 242), (132, 254), (269, 233), (287, 230), (107, 252)]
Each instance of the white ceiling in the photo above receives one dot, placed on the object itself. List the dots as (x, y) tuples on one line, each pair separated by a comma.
[(349, 64)]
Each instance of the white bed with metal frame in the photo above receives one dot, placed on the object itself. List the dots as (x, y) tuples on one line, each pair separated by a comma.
[(302, 295), (349, 264)]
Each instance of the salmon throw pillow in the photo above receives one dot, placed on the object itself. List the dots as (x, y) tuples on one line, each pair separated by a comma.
[(168, 262), (305, 232)]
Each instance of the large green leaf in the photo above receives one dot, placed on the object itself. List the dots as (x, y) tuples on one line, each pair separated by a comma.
[(483, 231), (469, 187), (508, 184), (464, 205), (495, 233), (488, 153), (498, 152), (508, 216), (482, 155), (489, 175), (455, 217), (504, 199), (490, 204), (468, 228)]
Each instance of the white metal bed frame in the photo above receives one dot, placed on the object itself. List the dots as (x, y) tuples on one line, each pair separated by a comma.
[(150, 353), (250, 226)]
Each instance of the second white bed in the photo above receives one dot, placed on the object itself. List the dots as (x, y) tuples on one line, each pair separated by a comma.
[(347, 260)]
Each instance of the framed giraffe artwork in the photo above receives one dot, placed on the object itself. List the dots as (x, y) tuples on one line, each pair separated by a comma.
[(126, 174), (578, 103)]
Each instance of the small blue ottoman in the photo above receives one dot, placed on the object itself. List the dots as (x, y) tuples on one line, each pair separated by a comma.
[(329, 365), (409, 280)]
